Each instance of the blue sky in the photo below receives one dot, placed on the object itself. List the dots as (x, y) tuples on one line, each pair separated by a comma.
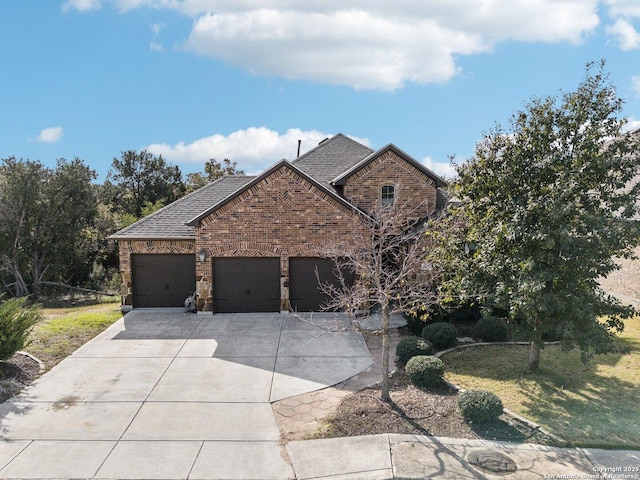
[(245, 79)]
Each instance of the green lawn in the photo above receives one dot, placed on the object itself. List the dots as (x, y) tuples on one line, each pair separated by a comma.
[(64, 330), (595, 405)]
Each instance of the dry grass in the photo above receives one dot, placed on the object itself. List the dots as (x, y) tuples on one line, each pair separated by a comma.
[(64, 330), (594, 405)]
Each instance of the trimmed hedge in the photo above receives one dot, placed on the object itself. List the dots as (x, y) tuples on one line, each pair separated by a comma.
[(410, 347), (480, 405), (425, 370), (492, 329), (441, 335)]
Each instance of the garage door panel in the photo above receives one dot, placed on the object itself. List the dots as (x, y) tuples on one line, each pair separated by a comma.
[(243, 284), (305, 292), (162, 280)]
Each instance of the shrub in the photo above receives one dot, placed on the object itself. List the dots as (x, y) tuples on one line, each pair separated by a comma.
[(441, 335), (410, 347), (16, 322), (492, 329), (425, 370), (415, 321), (479, 405)]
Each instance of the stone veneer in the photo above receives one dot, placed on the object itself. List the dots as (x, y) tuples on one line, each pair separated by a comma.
[(129, 247)]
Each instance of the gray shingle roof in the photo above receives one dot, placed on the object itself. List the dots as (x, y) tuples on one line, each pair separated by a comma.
[(170, 221), (331, 158)]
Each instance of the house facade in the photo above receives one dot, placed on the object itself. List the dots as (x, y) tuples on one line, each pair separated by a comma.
[(251, 243)]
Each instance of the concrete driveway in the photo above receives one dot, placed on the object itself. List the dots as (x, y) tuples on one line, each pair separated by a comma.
[(163, 394)]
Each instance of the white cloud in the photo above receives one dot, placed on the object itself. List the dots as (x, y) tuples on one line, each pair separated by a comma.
[(156, 47), (81, 5), (369, 44), (50, 135), (624, 8), (625, 34), (635, 83), (254, 149), (156, 28), (632, 124), (444, 169)]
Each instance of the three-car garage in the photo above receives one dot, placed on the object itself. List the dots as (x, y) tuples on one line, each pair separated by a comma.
[(240, 284)]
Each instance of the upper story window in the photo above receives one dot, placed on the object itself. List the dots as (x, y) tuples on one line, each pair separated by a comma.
[(387, 196)]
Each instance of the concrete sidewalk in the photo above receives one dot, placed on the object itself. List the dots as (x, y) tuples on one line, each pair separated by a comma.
[(392, 456)]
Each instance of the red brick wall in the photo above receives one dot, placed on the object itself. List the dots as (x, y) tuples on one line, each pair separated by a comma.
[(283, 215), (412, 186)]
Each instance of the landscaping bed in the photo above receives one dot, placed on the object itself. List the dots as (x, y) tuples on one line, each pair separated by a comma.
[(16, 373), (431, 411)]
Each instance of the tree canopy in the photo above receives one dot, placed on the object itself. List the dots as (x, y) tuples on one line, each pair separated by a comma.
[(137, 179), (547, 206), (44, 217)]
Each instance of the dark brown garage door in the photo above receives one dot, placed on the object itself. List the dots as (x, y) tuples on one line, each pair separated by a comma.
[(162, 280), (246, 284), (304, 289)]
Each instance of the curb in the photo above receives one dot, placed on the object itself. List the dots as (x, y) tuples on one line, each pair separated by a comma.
[(533, 425), (35, 359)]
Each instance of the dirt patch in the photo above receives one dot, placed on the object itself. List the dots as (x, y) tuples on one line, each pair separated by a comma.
[(419, 412), (16, 373), (625, 280)]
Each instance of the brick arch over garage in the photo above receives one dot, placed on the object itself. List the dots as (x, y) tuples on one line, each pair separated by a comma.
[(204, 270)]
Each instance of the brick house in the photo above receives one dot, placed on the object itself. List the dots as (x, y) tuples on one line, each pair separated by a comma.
[(248, 243)]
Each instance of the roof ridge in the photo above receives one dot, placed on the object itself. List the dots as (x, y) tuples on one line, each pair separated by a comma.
[(392, 147), (326, 141)]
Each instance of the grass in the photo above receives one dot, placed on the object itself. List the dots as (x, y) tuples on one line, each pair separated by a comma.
[(589, 406), (65, 329)]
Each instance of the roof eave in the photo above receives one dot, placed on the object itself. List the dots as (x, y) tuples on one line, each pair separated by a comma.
[(342, 178), (150, 237)]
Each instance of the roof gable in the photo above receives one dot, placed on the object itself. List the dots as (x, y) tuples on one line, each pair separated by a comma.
[(331, 158), (342, 177), (195, 221)]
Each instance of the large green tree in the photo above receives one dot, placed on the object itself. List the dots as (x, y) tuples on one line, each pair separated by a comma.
[(44, 217), (547, 207), (137, 179)]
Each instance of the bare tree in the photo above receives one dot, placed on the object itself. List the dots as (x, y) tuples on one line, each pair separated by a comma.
[(385, 265)]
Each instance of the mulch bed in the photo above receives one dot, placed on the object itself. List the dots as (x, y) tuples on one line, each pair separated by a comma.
[(420, 412), (16, 373)]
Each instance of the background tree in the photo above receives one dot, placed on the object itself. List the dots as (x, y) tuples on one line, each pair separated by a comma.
[(547, 208), (388, 259), (212, 171), (137, 179), (44, 217)]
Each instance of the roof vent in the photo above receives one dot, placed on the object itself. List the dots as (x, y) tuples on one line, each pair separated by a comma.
[(322, 141)]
